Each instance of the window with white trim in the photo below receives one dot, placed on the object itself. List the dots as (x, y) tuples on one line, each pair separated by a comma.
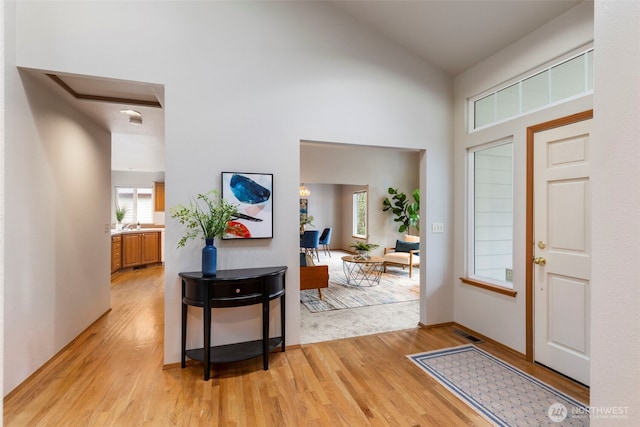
[(560, 82), (490, 214), (360, 214), (138, 203)]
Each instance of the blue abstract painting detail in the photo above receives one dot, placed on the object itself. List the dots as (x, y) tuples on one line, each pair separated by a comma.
[(252, 193), (248, 191)]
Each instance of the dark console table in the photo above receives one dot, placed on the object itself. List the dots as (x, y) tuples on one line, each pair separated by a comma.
[(233, 288)]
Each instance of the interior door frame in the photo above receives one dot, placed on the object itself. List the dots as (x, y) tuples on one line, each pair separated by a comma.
[(529, 240)]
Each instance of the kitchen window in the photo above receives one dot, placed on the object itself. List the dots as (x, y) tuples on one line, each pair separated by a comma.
[(139, 204)]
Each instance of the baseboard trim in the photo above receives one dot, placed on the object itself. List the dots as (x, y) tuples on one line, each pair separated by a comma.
[(470, 331), (435, 325)]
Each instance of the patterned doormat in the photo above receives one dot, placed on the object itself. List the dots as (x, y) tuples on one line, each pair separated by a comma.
[(394, 286), (503, 394)]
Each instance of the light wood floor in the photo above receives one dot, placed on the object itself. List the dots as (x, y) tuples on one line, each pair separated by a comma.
[(113, 375)]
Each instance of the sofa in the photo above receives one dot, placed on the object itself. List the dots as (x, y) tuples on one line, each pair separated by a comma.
[(313, 276)]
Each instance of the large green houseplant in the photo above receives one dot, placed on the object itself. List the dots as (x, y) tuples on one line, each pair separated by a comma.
[(406, 212), (208, 216)]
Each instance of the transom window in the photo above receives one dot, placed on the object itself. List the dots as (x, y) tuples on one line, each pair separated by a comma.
[(560, 82), (490, 214)]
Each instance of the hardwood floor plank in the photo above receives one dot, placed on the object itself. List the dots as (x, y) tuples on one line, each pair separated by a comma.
[(113, 375)]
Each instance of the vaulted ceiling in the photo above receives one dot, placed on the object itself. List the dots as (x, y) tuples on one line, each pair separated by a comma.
[(453, 35)]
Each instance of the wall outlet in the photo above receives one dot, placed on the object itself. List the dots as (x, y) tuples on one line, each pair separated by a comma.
[(437, 227)]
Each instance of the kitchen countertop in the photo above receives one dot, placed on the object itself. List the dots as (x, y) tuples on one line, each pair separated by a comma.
[(115, 232)]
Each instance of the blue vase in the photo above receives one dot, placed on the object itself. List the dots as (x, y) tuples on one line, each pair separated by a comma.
[(209, 258)]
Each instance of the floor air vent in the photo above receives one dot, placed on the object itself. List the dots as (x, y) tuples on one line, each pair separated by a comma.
[(463, 334)]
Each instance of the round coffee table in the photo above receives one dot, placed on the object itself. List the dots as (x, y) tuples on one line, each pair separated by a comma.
[(362, 272)]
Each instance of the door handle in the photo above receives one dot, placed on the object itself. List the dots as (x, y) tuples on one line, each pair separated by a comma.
[(539, 260)]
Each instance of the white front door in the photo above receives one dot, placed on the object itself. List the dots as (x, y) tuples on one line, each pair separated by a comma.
[(562, 252)]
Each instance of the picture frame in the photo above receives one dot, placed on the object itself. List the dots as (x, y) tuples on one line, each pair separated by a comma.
[(304, 209), (252, 193)]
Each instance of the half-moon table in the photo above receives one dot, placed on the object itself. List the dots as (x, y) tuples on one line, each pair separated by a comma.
[(233, 288)]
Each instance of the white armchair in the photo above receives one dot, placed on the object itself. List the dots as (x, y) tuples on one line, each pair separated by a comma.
[(404, 254)]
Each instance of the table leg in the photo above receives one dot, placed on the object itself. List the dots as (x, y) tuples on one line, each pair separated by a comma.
[(362, 273), (265, 333), (184, 335), (207, 339), (282, 322)]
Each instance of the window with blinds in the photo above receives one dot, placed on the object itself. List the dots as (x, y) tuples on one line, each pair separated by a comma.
[(138, 202)]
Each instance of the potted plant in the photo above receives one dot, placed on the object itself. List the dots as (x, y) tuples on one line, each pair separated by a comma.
[(363, 249), (407, 213), (305, 220), (208, 216), (121, 211)]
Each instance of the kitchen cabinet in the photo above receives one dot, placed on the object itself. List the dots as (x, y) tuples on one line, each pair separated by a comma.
[(158, 194), (116, 253), (140, 248)]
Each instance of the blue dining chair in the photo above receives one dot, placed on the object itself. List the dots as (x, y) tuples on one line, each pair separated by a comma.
[(325, 240), (310, 242)]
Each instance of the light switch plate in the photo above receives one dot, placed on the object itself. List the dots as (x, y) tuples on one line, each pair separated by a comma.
[(437, 227)]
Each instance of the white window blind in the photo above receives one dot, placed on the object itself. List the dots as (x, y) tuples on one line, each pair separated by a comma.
[(144, 206), (138, 202)]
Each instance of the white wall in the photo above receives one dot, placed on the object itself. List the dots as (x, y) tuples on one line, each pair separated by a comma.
[(57, 172), (244, 83), (8, 26), (146, 152), (494, 315), (325, 206), (615, 308)]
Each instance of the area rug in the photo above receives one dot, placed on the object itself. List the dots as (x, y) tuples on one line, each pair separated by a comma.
[(503, 394), (395, 286)]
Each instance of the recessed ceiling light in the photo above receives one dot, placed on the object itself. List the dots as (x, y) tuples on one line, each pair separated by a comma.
[(131, 113)]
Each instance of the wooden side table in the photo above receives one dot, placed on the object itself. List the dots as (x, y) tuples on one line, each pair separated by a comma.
[(233, 288), (363, 272)]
